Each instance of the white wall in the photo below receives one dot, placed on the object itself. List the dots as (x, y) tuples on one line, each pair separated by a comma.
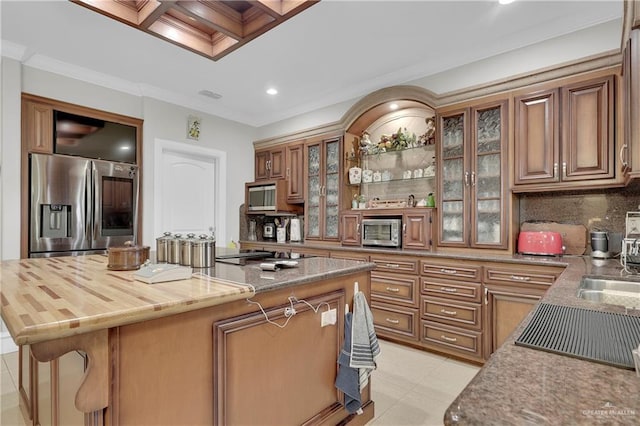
[(169, 122)]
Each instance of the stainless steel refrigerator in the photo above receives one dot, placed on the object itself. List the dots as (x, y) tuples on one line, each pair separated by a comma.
[(81, 206)]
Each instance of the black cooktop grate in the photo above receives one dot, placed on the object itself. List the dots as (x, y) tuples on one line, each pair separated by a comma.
[(603, 337)]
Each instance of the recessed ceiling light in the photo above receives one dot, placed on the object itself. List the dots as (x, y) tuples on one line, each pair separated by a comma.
[(393, 106), (210, 94), (125, 147), (272, 91), (505, 1)]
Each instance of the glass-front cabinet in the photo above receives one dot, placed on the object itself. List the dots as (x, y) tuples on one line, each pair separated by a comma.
[(472, 185), (322, 209)]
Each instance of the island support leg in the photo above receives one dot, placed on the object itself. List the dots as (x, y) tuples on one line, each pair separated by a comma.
[(93, 393)]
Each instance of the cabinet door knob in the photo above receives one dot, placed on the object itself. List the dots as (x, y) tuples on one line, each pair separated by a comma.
[(392, 321), (393, 289), (466, 178), (448, 339), (555, 169), (452, 313)]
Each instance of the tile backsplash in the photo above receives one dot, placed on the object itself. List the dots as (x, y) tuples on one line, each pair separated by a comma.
[(596, 210)]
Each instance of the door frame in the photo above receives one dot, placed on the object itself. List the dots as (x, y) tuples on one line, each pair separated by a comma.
[(215, 156)]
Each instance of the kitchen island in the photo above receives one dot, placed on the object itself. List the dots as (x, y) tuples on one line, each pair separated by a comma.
[(519, 385), (201, 351)]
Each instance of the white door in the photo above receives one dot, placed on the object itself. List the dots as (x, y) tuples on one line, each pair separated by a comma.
[(187, 186)]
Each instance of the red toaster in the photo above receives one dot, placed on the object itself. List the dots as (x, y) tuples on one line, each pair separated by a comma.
[(540, 242)]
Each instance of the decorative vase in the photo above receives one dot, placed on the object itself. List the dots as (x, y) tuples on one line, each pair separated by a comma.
[(355, 175)]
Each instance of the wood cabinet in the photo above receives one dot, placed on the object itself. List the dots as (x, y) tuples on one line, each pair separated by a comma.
[(322, 161), (631, 105), (270, 163), (351, 229), (302, 378), (394, 297), (226, 365), (37, 126), (416, 226), (510, 293), (416, 229), (471, 187), (294, 172), (565, 135), (451, 309)]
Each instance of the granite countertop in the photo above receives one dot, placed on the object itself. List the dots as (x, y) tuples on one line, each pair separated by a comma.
[(519, 385), (49, 298)]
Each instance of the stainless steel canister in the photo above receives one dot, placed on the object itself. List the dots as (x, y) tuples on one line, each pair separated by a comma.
[(203, 252), (173, 249), (185, 249), (162, 248)]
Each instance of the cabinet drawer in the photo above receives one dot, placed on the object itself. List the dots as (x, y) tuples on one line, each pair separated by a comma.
[(395, 321), (452, 312), (396, 264), (451, 271), (452, 339), (394, 288), (459, 290), (518, 276)]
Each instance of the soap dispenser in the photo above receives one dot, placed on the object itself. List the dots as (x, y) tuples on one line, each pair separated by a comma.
[(431, 201)]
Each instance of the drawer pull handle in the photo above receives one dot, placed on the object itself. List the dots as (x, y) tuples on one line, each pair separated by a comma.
[(449, 289), (448, 339), (392, 265), (393, 289), (452, 313), (392, 321), (520, 278), (448, 271)]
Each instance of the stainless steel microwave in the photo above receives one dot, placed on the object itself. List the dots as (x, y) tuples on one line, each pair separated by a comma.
[(261, 197), (382, 232)]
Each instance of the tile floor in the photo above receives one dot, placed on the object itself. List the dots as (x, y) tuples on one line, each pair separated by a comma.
[(410, 387)]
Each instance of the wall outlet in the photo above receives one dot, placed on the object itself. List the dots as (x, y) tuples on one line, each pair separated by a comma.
[(329, 317)]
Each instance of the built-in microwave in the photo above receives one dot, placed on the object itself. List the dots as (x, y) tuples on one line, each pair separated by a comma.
[(268, 197), (385, 232), (261, 197)]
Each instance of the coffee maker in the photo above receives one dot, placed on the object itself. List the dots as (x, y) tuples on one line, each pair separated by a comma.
[(605, 244)]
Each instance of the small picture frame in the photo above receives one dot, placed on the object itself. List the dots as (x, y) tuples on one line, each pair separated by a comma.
[(193, 127)]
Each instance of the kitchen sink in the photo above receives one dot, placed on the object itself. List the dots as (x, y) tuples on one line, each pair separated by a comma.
[(614, 291)]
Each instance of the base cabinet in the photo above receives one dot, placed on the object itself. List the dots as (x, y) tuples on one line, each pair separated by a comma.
[(506, 308), (509, 295), (248, 346), (394, 297), (451, 309), (227, 365)]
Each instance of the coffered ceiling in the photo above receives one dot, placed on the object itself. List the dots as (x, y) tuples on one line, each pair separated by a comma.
[(323, 59), (211, 28)]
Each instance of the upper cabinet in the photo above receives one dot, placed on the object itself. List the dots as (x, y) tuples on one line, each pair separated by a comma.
[(472, 156), (322, 161), (270, 163), (564, 136), (630, 155), (37, 126), (294, 172)]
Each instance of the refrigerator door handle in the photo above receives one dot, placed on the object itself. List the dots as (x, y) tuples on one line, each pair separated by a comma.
[(88, 203)]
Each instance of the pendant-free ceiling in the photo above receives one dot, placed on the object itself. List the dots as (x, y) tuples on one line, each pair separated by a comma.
[(211, 28)]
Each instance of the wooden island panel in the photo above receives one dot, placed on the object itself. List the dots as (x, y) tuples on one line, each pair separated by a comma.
[(177, 369)]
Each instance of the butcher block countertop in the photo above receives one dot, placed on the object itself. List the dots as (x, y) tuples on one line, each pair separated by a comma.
[(50, 298)]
